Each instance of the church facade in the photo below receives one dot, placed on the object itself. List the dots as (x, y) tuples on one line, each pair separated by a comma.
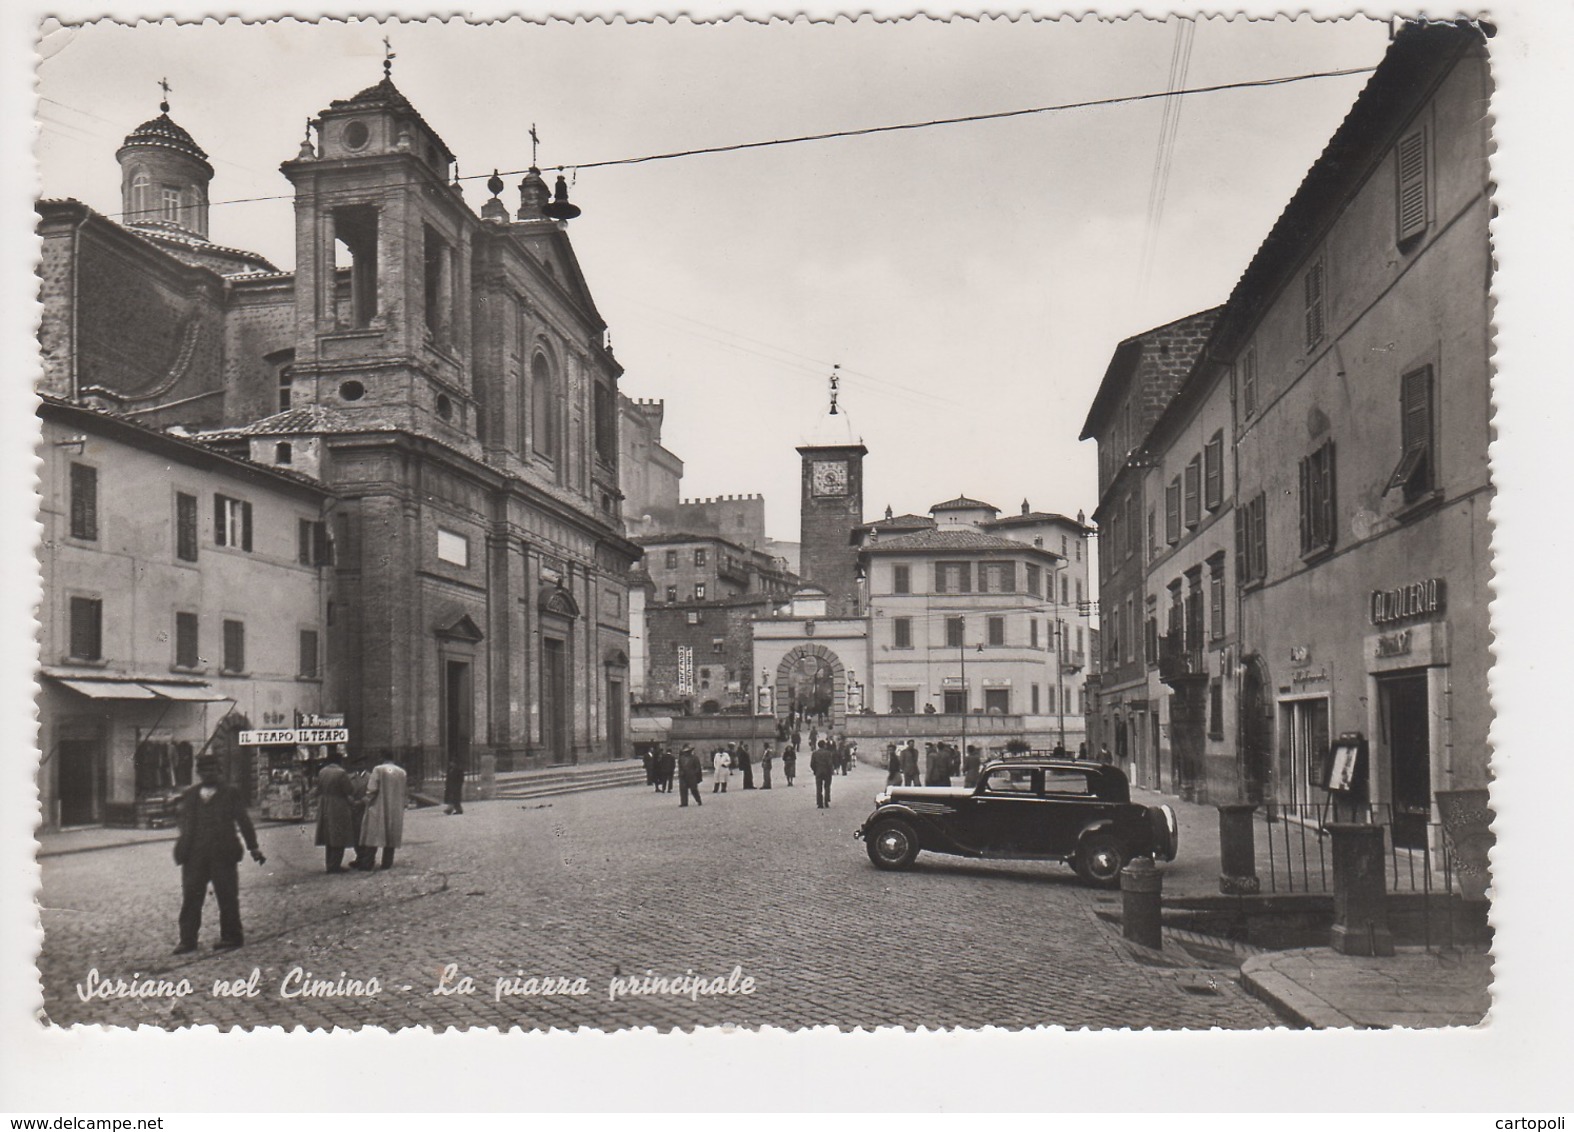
[(443, 374)]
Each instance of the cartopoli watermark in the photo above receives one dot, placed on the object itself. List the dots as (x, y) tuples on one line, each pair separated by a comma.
[(687, 985)]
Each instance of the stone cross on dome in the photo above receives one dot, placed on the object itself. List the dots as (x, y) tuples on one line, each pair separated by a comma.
[(388, 57), (164, 102)]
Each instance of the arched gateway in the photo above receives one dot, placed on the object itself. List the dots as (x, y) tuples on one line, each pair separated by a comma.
[(812, 679)]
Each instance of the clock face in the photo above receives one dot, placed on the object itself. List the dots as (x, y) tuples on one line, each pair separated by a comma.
[(828, 477)]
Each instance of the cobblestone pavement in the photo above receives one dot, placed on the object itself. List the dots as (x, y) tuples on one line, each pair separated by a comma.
[(620, 883)]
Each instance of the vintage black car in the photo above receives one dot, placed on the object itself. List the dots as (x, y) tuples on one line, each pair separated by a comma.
[(1024, 808)]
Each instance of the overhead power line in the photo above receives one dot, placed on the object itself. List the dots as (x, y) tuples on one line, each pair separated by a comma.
[(928, 123)]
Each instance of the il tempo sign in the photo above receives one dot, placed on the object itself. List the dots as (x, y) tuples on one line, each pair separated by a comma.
[(294, 737)]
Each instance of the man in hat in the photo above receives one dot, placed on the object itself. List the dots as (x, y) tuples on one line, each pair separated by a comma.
[(689, 773), (207, 852), (337, 828)]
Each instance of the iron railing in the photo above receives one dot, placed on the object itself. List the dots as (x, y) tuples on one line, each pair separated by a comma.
[(1296, 848)]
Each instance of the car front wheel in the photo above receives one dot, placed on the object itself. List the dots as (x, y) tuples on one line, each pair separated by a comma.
[(1100, 859), (892, 845)]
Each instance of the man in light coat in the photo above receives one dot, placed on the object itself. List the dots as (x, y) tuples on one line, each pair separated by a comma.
[(383, 825), (721, 766)]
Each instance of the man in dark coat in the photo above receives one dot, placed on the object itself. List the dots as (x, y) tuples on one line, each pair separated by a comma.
[(666, 769), (823, 764), (971, 766), (766, 756), (454, 785), (743, 761), (689, 774), (336, 825), (207, 852), (933, 760), (910, 764)]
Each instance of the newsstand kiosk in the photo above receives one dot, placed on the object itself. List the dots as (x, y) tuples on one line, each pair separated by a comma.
[(287, 762)]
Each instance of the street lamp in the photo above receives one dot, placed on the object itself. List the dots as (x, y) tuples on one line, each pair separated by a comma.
[(1060, 651), (961, 652)]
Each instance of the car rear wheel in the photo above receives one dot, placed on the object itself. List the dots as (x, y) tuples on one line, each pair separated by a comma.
[(1100, 859), (892, 844)]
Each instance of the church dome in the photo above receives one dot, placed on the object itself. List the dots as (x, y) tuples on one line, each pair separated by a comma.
[(164, 132)]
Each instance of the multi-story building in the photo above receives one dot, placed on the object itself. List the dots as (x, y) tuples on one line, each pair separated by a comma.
[(688, 567), (648, 474), (186, 597), (1360, 342), (1143, 375), (444, 373), (1316, 489)]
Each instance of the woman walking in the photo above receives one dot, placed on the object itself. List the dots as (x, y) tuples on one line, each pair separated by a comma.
[(789, 762), (765, 767)]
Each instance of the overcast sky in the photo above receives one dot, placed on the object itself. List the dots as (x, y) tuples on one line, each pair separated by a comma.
[(972, 279)]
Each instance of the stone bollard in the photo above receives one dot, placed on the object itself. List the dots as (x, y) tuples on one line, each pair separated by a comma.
[(487, 787), (1237, 850), (1141, 890), (1360, 893)]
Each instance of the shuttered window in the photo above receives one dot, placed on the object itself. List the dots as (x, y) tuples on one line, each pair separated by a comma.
[(1317, 500), (1415, 472), (997, 630), (953, 632), (186, 652), (185, 527), (902, 632), (1172, 511), (901, 579), (1411, 168), (1251, 541), (87, 624), (234, 646), (84, 502), (1248, 375), (231, 522), (1315, 325), (1213, 472), (953, 577), (308, 664), (1193, 491)]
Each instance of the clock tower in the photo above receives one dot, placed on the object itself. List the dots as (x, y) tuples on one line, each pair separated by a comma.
[(832, 504)]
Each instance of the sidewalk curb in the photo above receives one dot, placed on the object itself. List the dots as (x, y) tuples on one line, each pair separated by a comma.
[(1289, 998)]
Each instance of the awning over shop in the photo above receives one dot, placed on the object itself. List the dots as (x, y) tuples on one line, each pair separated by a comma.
[(108, 688), (190, 693)]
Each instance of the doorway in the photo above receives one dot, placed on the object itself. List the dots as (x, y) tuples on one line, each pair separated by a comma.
[(456, 712), (615, 706), (1407, 735), (954, 702), (554, 698), (79, 779)]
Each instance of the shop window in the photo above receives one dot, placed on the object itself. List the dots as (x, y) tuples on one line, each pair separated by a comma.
[(902, 632), (1213, 472), (901, 579), (1317, 500), (904, 701), (1304, 725), (1415, 475), (87, 628), (996, 628), (185, 527), (187, 654), (231, 522), (234, 646), (308, 666), (954, 627), (84, 502), (1411, 194)]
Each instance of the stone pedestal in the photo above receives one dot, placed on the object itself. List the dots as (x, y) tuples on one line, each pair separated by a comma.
[(1360, 892), (487, 786), (1141, 891), (1237, 850)]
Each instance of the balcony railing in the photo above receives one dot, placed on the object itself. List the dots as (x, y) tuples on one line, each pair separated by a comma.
[(1073, 661), (1177, 660)]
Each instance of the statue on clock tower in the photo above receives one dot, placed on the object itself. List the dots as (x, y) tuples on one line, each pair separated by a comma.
[(832, 505)]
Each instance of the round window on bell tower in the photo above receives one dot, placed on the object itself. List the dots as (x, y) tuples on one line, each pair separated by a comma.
[(356, 135)]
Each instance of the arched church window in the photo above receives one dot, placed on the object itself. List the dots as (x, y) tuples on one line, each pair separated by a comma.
[(140, 205), (543, 408), (169, 204)]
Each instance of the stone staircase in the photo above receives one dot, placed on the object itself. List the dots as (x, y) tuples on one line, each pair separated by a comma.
[(554, 781)]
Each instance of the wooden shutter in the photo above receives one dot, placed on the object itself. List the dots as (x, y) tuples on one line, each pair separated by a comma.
[(1415, 407), (1308, 505), (185, 527), (245, 526), (1249, 382), (1193, 491), (1213, 472), (1242, 540), (1314, 304), (220, 533), (1325, 494), (84, 502), (1172, 506), (1259, 543), (940, 578), (1411, 164)]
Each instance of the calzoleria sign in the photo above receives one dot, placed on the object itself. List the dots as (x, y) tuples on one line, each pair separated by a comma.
[(1418, 599)]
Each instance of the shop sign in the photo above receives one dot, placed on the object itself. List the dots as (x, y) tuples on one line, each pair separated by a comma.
[(1301, 677), (309, 720), (1418, 599), (997, 681), (952, 682), (1393, 644), (294, 737), (685, 670)]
